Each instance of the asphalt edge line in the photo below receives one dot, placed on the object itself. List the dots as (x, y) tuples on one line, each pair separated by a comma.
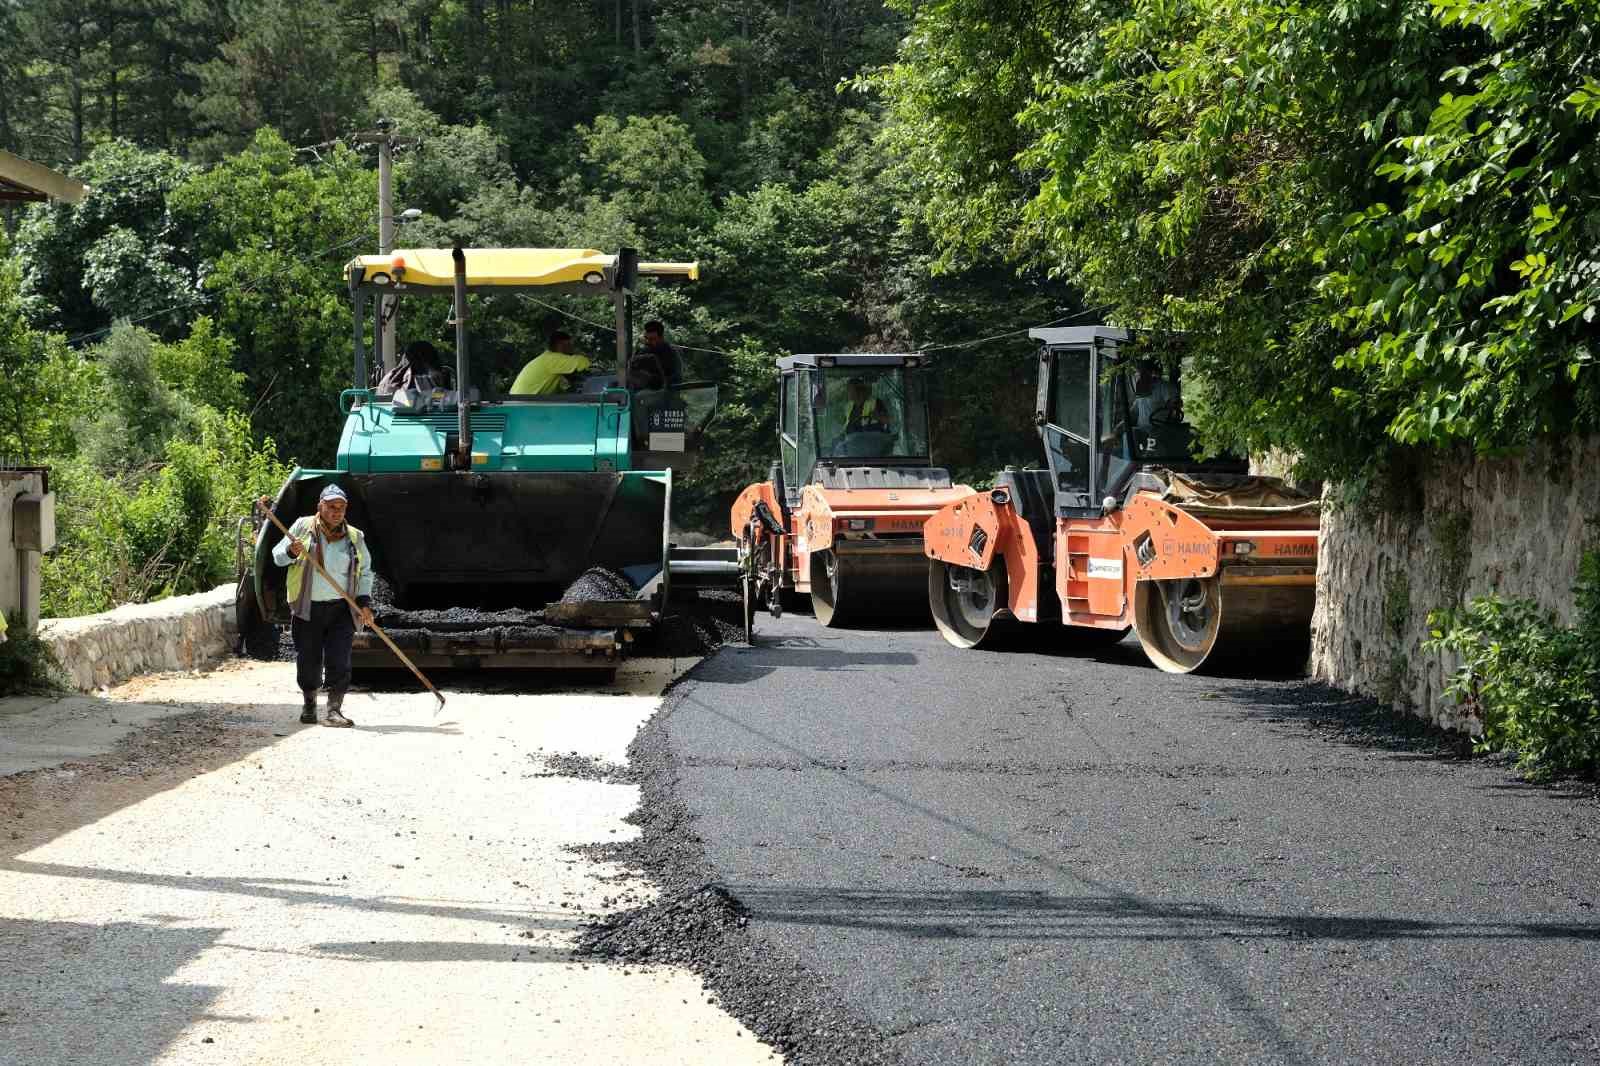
[(695, 923)]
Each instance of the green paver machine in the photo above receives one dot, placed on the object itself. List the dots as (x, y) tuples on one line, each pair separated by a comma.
[(472, 500)]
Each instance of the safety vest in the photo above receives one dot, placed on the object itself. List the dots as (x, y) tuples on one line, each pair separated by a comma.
[(297, 585), (853, 418), (2, 627)]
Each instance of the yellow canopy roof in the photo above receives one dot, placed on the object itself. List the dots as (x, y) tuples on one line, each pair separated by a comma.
[(508, 267)]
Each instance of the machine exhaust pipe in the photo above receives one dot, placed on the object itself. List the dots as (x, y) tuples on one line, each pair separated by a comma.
[(463, 408)]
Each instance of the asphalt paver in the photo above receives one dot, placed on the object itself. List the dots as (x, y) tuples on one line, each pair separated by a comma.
[(1041, 856)]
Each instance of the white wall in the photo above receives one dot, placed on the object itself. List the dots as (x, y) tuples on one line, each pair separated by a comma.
[(13, 563)]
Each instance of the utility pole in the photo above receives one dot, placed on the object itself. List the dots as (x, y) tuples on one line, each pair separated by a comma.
[(387, 142)]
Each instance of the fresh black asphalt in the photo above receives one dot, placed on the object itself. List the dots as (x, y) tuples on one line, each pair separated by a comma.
[(1036, 856)]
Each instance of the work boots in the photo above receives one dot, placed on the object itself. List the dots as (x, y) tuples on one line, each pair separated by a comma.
[(335, 717), (308, 712)]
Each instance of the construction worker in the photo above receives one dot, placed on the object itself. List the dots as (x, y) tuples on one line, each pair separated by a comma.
[(1155, 399), (864, 414), (657, 365), (419, 368), (323, 624), (546, 373), (2, 627)]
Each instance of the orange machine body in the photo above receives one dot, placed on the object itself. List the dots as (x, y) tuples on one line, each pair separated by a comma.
[(1125, 526), (840, 517), (876, 523), (1099, 562)]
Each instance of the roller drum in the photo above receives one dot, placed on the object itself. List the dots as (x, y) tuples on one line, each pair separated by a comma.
[(856, 586), (966, 603), (1207, 623)]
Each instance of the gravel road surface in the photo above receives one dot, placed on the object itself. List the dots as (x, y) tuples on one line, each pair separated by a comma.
[(227, 886), (1039, 857)]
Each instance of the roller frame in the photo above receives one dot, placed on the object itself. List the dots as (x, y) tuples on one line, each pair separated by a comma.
[(1109, 570)]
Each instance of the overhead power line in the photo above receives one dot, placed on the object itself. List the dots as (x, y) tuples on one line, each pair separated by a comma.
[(1002, 336)]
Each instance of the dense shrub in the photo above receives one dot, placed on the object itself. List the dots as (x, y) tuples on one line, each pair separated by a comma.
[(1533, 684), (159, 531), (27, 665)]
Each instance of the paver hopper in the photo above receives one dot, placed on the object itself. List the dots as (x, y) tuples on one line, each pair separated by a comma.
[(1124, 528), (841, 517), (473, 501)]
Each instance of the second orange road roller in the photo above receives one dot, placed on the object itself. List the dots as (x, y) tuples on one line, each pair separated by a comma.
[(841, 517), (1124, 529)]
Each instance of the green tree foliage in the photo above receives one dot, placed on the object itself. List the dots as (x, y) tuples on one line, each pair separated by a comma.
[(450, 166), (287, 67), (135, 412), (119, 253), (1366, 213), (1475, 287), (43, 383), (648, 171), (276, 234), (161, 531)]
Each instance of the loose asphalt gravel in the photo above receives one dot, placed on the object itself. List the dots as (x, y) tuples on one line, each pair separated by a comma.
[(876, 847)]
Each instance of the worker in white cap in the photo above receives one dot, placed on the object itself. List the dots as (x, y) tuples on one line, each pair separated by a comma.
[(323, 624)]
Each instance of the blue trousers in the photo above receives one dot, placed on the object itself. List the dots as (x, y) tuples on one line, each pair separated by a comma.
[(323, 643)]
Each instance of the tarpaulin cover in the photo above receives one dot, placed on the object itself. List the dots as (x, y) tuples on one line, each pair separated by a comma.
[(1235, 494)]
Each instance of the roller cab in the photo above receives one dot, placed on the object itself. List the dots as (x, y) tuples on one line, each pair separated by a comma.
[(839, 522), (1123, 528)]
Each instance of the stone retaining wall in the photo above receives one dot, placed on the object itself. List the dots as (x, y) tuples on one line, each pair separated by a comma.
[(180, 633), (1515, 527)]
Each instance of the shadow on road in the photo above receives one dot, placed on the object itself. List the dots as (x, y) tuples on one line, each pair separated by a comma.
[(1032, 915), (1348, 719), (290, 890), (41, 805), (738, 665), (88, 984)]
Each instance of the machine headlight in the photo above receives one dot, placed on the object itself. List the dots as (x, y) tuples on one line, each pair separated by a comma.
[(1243, 547)]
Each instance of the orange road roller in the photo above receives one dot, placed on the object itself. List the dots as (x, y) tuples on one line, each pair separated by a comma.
[(1124, 528), (841, 517)]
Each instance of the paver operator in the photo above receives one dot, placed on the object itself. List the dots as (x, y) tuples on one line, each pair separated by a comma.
[(547, 372), (658, 364), (324, 625)]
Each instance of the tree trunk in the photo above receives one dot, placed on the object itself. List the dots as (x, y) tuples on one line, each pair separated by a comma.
[(744, 60), (75, 91), (114, 64), (638, 41)]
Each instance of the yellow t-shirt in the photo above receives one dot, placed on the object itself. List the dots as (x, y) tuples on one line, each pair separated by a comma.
[(546, 373)]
